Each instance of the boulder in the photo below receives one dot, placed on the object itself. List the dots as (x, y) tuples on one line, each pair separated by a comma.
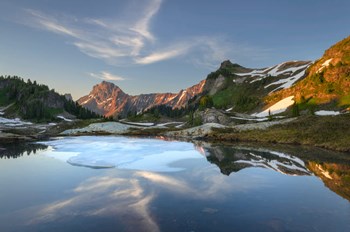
[(213, 116)]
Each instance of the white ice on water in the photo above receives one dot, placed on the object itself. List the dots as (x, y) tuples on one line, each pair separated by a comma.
[(122, 152)]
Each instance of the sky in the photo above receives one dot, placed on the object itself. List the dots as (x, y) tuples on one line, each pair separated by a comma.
[(147, 46)]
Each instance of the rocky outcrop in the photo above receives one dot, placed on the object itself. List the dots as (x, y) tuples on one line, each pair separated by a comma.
[(213, 116), (68, 97)]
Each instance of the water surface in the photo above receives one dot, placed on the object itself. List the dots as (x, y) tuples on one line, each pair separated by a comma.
[(109, 183)]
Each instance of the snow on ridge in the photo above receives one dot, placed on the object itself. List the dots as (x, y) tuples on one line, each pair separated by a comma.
[(273, 71), (286, 82), (325, 64), (291, 69), (105, 101), (277, 108), (83, 103), (326, 112), (255, 72)]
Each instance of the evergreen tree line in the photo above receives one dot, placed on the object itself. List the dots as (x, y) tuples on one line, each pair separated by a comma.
[(37, 101)]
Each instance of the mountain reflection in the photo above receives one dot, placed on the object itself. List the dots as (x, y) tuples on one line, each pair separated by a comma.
[(333, 170), (335, 176), (230, 159), (17, 150)]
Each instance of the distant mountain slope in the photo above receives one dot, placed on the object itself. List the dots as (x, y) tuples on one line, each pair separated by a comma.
[(243, 89), (109, 100), (327, 82), (37, 102), (232, 85)]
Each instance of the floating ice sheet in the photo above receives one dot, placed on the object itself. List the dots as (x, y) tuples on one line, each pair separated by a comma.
[(121, 152)]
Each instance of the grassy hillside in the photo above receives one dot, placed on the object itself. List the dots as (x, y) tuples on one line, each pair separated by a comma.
[(327, 84), (331, 132), (227, 90)]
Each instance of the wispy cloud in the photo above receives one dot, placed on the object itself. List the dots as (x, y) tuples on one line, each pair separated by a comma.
[(130, 41), (50, 25), (106, 76), (161, 55), (142, 25)]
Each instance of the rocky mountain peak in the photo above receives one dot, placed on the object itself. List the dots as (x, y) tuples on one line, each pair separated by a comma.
[(109, 100), (225, 64), (106, 86)]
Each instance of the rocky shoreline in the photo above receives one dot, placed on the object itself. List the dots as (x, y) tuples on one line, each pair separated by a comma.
[(214, 132)]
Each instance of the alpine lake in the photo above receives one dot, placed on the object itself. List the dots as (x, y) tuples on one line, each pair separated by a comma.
[(114, 183)]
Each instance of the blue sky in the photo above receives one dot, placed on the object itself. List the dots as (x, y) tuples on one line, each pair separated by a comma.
[(147, 46)]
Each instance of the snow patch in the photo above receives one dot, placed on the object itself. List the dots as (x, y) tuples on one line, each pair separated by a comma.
[(181, 125), (277, 164), (325, 64), (140, 123), (326, 113), (64, 119), (13, 122), (325, 173), (277, 108), (250, 119), (274, 71), (287, 82), (83, 103), (167, 123)]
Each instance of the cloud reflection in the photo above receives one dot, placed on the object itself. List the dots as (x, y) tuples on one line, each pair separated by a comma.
[(104, 196)]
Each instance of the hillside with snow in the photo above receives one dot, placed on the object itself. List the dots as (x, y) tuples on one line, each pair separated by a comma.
[(309, 86)]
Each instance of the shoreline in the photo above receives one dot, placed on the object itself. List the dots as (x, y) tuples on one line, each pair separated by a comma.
[(330, 133)]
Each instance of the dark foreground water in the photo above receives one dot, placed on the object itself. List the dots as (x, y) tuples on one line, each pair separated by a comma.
[(126, 184)]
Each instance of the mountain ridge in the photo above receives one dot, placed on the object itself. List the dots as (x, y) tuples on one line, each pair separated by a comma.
[(108, 99), (323, 84)]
